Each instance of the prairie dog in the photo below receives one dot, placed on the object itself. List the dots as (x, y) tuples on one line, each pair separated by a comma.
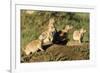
[(78, 34), (33, 46), (65, 29), (49, 32)]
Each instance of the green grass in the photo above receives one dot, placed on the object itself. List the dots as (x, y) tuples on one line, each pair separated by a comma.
[(32, 25)]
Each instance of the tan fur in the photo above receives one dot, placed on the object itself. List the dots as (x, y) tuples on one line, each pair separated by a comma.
[(78, 34), (49, 37), (51, 22), (33, 46), (65, 29), (48, 33)]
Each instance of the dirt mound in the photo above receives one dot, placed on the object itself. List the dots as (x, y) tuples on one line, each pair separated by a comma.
[(60, 53)]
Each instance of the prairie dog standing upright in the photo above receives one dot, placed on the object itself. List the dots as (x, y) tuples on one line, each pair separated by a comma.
[(78, 34), (65, 29), (49, 32)]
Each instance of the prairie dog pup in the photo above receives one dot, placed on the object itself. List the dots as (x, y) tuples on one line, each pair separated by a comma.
[(78, 34), (48, 33), (33, 46), (65, 29)]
